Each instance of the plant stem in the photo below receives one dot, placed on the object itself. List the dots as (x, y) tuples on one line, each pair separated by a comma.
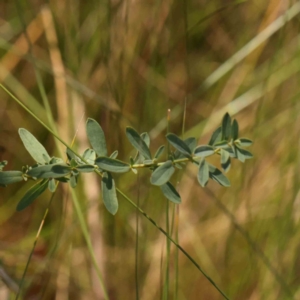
[(171, 240)]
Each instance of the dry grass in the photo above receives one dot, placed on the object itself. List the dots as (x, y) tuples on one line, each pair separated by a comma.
[(125, 63)]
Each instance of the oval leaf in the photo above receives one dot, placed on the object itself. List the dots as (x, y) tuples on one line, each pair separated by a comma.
[(159, 151), (73, 181), (114, 154), (34, 147), (203, 172), (226, 127), (218, 176), (109, 194), (96, 137), (204, 150), (7, 177), (50, 171), (245, 153), (137, 142), (225, 160), (170, 192), (89, 155), (178, 144), (32, 194), (235, 129), (191, 142), (51, 185), (243, 142), (112, 165), (216, 136), (163, 173), (146, 138), (85, 168)]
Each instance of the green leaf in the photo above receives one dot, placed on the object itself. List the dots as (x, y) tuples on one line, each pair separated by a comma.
[(226, 127), (96, 137), (148, 162), (239, 154), (34, 147), (50, 171), (109, 194), (137, 142), (247, 154), (204, 150), (7, 177), (216, 136), (225, 160), (89, 155), (203, 172), (51, 185), (163, 173), (63, 179), (71, 155), (56, 160), (218, 176), (73, 181), (159, 151), (170, 193), (86, 168), (191, 142), (221, 144), (112, 165), (32, 194), (178, 144), (114, 154), (235, 129), (3, 164), (146, 138), (243, 142)]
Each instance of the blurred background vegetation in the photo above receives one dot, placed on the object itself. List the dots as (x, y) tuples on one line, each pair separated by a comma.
[(124, 63)]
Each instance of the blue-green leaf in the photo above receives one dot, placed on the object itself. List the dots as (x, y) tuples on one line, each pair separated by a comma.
[(146, 138), (204, 150), (170, 193), (218, 176), (226, 127), (178, 144), (34, 147), (73, 181), (225, 160), (109, 194), (216, 136), (85, 168), (191, 142), (159, 151), (137, 142), (96, 137), (243, 142), (235, 129), (51, 185), (7, 177), (32, 194), (50, 171), (243, 154), (221, 144), (89, 155), (114, 154), (163, 173), (112, 165), (203, 172)]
